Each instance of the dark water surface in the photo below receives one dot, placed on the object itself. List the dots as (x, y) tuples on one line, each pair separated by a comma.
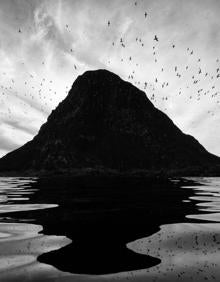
[(103, 229)]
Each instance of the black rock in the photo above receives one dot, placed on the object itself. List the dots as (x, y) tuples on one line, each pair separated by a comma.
[(105, 124)]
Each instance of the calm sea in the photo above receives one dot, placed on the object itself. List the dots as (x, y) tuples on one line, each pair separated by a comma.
[(68, 230)]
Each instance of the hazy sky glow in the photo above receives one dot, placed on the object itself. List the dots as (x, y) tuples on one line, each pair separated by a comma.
[(46, 44)]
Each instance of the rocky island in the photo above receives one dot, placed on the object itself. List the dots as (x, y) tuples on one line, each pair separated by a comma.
[(107, 125)]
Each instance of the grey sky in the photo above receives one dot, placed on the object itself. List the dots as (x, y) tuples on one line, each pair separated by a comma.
[(46, 44)]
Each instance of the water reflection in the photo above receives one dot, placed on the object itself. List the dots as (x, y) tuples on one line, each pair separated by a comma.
[(188, 251), (164, 231), (15, 189), (206, 198), (22, 243)]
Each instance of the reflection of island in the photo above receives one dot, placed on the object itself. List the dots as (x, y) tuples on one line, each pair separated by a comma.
[(21, 243), (188, 251), (107, 125), (142, 237), (99, 219), (102, 216)]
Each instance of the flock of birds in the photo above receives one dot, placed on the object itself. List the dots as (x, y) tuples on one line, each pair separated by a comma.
[(42, 93), (197, 79)]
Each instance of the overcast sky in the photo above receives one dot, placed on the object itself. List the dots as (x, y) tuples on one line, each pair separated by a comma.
[(46, 44)]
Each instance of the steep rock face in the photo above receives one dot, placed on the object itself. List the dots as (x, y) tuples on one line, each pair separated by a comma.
[(107, 122)]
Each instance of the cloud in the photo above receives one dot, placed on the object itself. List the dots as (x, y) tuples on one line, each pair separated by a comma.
[(24, 127), (60, 39), (7, 144)]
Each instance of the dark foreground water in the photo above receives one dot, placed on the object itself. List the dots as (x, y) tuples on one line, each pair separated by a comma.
[(104, 229)]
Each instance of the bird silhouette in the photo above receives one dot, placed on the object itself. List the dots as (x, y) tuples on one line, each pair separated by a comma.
[(156, 38)]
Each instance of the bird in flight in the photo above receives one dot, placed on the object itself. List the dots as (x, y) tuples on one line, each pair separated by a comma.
[(156, 38)]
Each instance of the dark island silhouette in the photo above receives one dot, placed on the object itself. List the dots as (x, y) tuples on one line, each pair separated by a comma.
[(108, 125)]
